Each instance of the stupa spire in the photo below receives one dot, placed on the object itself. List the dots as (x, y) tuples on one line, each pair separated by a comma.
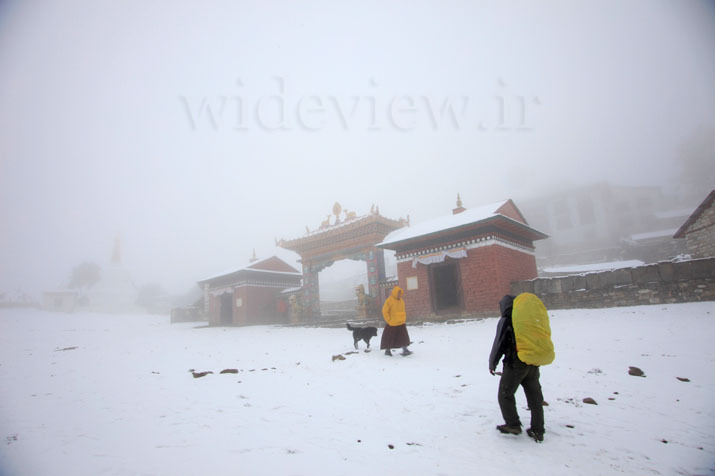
[(117, 252), (459, 208)]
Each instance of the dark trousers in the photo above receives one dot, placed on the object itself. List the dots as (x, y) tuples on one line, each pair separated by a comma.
[(515, 374)]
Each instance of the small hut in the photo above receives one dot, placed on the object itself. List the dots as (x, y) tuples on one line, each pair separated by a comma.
[(463, 263), (251, 294)]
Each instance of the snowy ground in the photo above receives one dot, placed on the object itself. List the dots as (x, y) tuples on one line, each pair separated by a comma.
[(84, 394)]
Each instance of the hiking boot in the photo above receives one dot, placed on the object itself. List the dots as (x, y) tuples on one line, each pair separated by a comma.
[(511, 430), (538, 436), (388, 352)]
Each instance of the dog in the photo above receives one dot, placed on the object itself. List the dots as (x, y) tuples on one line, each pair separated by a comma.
[(364, 333)]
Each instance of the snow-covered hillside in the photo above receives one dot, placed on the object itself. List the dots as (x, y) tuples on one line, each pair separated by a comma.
[(87, 394)]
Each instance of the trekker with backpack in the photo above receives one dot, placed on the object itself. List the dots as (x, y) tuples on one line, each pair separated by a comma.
[(523, 338)]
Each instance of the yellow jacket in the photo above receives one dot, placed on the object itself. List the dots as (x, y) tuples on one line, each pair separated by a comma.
[(394, 308)]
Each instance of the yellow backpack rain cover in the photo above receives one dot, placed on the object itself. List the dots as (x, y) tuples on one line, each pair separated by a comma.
[(532, 330)]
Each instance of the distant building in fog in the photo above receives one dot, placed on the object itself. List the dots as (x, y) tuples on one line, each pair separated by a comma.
[(604, 222), (17, 298)]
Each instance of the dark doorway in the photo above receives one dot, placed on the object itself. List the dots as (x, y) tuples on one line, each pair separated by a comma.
[(227, 309), (446, 286)]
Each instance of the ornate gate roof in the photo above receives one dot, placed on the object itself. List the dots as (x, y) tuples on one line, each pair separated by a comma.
[(344, 237)]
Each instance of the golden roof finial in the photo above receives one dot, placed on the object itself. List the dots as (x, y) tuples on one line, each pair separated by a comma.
[(253, 258), (459, 200), (336, 211)]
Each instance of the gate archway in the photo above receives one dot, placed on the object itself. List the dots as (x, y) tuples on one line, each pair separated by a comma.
[(352, 237)]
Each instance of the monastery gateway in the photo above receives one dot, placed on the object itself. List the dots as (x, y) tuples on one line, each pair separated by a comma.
[(459, 264)]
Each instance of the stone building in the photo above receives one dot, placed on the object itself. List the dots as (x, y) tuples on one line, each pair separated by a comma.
[(64, 300), (699, 230), (251, 294), (463, 263)]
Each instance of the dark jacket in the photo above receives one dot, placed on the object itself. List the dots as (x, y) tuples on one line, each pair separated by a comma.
[(504, 341)]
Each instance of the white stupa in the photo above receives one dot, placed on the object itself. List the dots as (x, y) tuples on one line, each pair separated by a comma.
[(115, 291)]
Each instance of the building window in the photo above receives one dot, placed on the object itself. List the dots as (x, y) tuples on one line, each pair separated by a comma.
[(625, 216), (562, 215), (644, 204), (585, 211)]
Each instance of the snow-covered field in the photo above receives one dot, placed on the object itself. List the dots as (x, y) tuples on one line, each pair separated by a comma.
[(84, 394)]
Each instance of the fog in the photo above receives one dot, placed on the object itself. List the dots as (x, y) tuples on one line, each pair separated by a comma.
[(200, 132)]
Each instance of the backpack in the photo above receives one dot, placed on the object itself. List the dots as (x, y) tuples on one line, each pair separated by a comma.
[(532, 330)]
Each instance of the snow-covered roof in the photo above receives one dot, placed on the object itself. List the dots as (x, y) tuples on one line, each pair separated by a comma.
[(448, 222), (291, 290), (683, 212), (445, 222), (654, 234), (287, 256), (61, 291), (583, 268), (346, 221)]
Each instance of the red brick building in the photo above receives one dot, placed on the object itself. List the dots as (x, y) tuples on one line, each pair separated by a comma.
[(463, 263), (252, 294)]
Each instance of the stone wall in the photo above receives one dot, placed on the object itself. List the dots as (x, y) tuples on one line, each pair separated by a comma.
[(187, 314), (700, 238), (660, 283)]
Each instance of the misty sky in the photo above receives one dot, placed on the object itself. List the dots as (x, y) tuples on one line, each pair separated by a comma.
[(105, 127)]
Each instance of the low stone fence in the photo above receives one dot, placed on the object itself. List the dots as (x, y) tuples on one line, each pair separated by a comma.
[(660, 283), (187, 314)]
